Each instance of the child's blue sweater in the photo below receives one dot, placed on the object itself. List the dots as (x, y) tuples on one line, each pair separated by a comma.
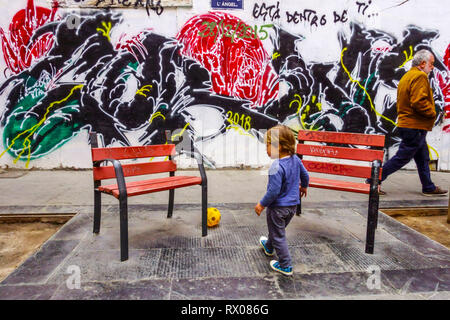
[(285, 176)]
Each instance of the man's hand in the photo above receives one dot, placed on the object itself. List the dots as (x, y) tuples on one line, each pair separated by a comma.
[(259, 208), (303, 192)]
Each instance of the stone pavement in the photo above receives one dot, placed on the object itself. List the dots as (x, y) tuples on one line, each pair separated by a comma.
[(170, 260)]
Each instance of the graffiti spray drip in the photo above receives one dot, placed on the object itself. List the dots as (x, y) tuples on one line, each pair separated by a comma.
[(363, 88)]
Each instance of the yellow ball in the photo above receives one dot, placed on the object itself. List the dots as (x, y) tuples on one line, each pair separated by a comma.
[(213, 217)]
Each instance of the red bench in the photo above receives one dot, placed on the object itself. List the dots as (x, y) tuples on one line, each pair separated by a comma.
[(370, 152), (121, 190)]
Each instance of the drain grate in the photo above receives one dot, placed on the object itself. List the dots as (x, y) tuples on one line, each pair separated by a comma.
[(387, 256), (306, 237), (204, 262), (173, 242), (232, 236), (318, 258)]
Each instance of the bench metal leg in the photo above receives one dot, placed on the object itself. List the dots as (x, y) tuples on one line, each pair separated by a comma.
[(372, 214), (171, 200), (123, 230), (376, 210), (371, 226), (97, 210), (299, 209), (204, 210)]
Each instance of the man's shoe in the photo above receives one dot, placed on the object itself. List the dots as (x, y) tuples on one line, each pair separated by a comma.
[(275, 265), (436, 192), (262, 242)]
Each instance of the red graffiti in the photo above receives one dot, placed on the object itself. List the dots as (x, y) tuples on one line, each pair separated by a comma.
[(444, 83), (381, 49), (134, 44), (18, 52), (233, 53)]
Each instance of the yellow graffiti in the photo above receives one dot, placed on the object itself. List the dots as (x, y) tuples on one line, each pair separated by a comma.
[(303, 117), (145, 88), (181, 133), (275, 55), (239, 130), (408, 57), (363, 88), (244, 121), (298, 101), (107, 30), (318, 104), (306, 110), (238, 123), (165, 159), (155, 115), (27, 143), (430, 148)]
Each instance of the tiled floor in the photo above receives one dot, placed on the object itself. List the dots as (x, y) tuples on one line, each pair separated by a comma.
[(170, 260)]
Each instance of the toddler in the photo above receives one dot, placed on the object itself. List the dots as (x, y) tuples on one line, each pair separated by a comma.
[(288, 180)]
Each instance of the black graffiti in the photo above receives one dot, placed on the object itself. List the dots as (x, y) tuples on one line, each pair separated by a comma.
[(84, 59), (271, 12), (362, 6), (293, 70), (354, 104), (99, 92), (154, 5), (340, 17), (307, 15)]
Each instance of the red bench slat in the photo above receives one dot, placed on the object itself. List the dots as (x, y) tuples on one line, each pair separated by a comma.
[(135, 169), (342, 138), (339, 185), (154, 185), (337, 169), (119, 153), (340, 152)]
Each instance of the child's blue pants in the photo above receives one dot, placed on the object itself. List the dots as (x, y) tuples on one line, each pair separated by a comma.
[(277, 220)]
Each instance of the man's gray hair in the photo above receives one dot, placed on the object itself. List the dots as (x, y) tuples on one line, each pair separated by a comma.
[(421, 56)]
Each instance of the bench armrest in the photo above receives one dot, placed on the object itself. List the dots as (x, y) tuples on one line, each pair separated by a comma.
[(120, 178), (198, 157)]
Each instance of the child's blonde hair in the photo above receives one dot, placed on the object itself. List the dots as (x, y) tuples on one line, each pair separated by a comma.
[(282, 137)]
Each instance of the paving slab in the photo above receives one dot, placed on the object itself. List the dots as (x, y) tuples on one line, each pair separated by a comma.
[(170, 260)]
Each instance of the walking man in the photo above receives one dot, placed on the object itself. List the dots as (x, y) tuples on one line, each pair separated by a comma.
[(416, 116)]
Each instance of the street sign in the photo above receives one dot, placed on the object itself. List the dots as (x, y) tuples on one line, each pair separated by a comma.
[(227, 4)]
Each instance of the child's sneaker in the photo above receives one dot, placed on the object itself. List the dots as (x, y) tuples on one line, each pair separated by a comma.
[(262, 242), (275, 265)]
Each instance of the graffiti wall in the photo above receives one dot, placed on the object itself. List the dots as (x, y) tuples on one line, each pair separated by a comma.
[(216, 76)]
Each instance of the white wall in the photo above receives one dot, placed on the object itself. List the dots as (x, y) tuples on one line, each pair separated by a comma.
[(317, 45)]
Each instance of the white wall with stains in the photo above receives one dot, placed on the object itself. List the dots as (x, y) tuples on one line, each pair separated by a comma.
[(218, 77)]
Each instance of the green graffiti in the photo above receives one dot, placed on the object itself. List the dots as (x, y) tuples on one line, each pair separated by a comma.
[(29, 135)]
